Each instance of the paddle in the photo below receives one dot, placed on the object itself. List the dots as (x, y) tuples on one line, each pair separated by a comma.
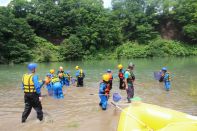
[(132, 116), (97, 94)]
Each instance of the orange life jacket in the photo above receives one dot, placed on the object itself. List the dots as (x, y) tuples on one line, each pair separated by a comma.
[(120, 74), (47, 80), (107, 90)]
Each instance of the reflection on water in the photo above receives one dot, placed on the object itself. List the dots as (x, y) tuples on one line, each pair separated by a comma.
[(80, 111)]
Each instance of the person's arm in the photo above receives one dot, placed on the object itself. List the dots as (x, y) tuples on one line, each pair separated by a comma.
[(102, 88), (37, 85), (126, 76), (133, 77), (22, 84), (77, 73)]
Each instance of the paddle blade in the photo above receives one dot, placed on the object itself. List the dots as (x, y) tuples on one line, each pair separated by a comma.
[(116, 97)]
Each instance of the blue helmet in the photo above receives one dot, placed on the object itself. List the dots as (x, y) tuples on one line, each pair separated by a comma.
[(108, 70), (48, 74), (68, 72), (32, 66), (164, 69)]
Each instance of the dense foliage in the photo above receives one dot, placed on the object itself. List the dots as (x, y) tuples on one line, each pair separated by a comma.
[(158, 47), (56, 30)]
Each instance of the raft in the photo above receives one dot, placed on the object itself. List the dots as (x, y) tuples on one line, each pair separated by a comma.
[(147, 117)]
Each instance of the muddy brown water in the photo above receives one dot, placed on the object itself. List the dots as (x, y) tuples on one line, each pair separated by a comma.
[(79, 111)]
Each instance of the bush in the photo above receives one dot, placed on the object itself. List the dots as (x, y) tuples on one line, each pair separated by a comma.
[(162, 47), (131, 50), (190, 31), (155, 48)]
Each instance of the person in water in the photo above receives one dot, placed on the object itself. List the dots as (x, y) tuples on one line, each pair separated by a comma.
[(166, 78), (52, 72), (104, 90), (32, 93), (60, 74), (48, 86), (80, 75), (55, 85), (109, 72), (67, 77), (129, 80), (121, 77)]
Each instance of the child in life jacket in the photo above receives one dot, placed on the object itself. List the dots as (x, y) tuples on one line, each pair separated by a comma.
[(121, 77), (104, 90), (166, 78)]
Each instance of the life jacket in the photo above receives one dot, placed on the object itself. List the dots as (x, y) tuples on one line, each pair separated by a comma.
[(131, 77), (121, 74), (107, 90), (55, 79), (60, 74), (28, 83), (67, 76), (81, 74), (47, 80), (168, 78), (110, 76)]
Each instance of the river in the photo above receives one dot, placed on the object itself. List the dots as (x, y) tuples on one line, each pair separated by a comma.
[(79, 111)]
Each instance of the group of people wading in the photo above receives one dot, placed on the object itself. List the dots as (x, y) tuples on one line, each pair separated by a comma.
[(126, 77), (54, 83)]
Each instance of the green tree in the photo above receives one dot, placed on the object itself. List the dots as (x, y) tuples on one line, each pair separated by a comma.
[(16, 38), (135, 23), (71, 48)]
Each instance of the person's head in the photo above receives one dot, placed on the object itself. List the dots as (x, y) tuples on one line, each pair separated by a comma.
[(105, 78), (120, 66), (164, 69), (67, 72), (52, 71), (77, 67), (48, 75), (32, 67), (47, 78), (61, 68), (131, 66), (108, 71)]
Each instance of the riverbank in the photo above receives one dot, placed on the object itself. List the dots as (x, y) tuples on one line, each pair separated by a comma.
[(47, 52), (155, 48)]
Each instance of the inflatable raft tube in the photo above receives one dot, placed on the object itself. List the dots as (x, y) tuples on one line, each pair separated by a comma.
[(147, 117)]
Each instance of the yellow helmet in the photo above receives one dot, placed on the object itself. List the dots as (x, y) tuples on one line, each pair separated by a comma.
[(52, 71), (77, 67), (120, 66), (106, 77)]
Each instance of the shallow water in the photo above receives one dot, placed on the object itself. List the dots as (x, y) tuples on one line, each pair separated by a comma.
[(79, 110)]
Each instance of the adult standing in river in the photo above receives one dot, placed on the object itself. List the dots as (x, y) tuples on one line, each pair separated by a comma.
[(121, 77), (129, 79), (32, 93), (60, 74), (80, 76)]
